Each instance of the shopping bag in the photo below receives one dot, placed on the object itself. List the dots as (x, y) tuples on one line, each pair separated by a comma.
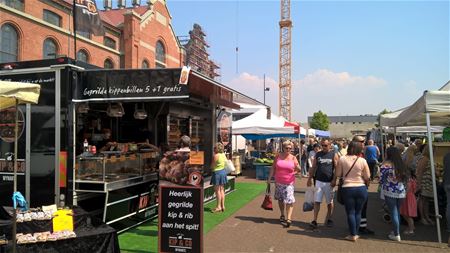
[(229, 166), (339, 196), (308, 205), (267, 203)]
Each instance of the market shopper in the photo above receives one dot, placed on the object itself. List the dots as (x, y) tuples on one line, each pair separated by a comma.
[(394, 176), (363, 229), (424, 187), (323, 169), (303, 158), (219, 176), (372, 153), (284, 169), (447, 190), (355, 171)]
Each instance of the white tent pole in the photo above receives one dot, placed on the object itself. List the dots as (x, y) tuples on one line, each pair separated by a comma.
[(433, 176), (16, 133), (382, 142)]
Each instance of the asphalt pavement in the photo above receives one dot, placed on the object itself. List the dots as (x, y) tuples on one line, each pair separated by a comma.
[(252, 229)]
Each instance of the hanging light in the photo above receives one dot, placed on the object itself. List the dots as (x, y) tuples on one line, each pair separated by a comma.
[(115, 110), (83, 108), (140, 113)]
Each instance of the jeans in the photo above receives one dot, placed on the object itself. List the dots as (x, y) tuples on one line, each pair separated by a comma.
[(303, 166), (373, 169), (354, 199), (394, 208), (447, 191)]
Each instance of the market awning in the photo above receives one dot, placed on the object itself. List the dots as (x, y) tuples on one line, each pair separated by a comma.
[(23, 92)]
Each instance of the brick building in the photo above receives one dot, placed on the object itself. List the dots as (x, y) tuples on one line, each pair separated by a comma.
[(135, 37)]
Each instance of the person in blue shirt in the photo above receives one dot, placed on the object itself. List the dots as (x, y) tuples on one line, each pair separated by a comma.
[(372, 153)]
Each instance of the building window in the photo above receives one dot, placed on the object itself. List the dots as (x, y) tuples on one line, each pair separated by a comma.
[(108, 64), (160, 55), (82, 55), (9, 43), (107, 41), (16, 4), (50, 49), (145, 64), (52, 18), (84, 34)]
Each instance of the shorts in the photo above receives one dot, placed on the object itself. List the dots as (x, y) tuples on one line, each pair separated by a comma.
[(323, 189)]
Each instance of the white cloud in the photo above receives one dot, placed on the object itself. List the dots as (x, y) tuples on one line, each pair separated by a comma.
[(327, 78), (335, 93)]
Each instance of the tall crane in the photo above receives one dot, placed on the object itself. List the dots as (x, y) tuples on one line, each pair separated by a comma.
[(285, 60)]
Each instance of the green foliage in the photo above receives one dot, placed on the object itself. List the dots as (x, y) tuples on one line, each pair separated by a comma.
[(320, 121), (381, 113)]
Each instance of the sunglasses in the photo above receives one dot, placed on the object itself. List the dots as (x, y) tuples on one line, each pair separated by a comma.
[(324, 146), (287, 148)]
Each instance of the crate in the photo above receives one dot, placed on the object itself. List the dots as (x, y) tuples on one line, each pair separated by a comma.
[(262, 172)]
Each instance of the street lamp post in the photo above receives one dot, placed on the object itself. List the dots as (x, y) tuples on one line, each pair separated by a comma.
[(265, 89)]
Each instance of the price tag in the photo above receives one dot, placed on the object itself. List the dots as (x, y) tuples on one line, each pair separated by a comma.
[(197, 157)]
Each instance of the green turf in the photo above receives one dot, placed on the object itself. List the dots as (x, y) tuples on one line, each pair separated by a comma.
[(144, 239)]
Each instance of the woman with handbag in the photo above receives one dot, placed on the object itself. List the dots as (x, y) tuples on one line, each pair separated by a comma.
[(284, 169), (219, 176), (355, 176)]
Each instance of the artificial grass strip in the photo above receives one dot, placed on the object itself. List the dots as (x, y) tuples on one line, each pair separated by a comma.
[(144, 239)]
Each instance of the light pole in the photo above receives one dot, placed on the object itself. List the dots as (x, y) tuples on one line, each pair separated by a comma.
[(265, 89)]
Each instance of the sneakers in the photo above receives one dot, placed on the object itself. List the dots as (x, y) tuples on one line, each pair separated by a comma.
[(313, 224), (394, 237), (330, 223)]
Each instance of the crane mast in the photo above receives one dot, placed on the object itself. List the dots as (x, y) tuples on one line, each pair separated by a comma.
[(285, 60)]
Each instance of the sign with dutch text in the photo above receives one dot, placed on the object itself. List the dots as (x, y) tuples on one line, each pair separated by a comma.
[(180, 219)]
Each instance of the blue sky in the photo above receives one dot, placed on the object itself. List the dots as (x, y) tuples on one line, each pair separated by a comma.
[(348, 57)]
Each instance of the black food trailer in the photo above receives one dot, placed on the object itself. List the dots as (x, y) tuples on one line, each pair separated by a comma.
[(63, 152)]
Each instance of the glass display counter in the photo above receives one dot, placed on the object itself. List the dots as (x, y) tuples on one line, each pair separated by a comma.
[(118, 186)]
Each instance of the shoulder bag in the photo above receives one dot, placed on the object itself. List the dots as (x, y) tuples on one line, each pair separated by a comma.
[(340, 197)]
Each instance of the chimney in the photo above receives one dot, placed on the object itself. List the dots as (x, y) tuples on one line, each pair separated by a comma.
[(107, 4), (150, 4), (121, 4), (136, 3)]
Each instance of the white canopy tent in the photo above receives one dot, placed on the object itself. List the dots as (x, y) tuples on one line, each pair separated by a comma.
[(432, 108), (258, 124)]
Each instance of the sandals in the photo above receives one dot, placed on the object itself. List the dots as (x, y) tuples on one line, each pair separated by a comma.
[(282, 219), (216, 210), (288, 223)]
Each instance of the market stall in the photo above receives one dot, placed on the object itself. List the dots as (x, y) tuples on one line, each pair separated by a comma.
[(13, 94), (432, 108)]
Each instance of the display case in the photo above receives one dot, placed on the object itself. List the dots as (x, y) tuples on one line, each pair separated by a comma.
[(114, 167)]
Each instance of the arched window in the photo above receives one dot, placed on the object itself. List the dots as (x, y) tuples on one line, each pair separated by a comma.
[(50, 49), (16, 4), (82, 55), (9, 43), (160, 55), (108, 64), (107, 41), (145, 64)]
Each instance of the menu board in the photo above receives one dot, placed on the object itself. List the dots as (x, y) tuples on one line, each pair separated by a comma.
[(180, 219)]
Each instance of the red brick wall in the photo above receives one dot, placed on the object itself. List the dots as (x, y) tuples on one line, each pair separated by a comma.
[(32, 35)]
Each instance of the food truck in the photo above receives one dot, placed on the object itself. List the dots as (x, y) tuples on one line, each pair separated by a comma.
[(96, 136)]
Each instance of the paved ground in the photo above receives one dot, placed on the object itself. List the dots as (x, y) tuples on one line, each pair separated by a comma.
[(252, 229)]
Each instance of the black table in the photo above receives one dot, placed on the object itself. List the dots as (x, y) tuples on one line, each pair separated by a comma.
[(93, 236)]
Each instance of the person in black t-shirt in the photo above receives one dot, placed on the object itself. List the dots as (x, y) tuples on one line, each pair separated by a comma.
[(323, 168)]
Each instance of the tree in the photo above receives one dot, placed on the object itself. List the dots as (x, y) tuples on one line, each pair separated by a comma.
[(381, 113), (320, 121)]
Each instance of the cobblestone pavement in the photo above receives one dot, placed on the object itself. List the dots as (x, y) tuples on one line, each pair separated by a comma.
[(252, 229)]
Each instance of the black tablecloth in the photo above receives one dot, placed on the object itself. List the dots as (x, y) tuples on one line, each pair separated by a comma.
[(92, 236)]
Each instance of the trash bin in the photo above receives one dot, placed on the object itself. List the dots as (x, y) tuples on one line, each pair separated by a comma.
[(237, 164)]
